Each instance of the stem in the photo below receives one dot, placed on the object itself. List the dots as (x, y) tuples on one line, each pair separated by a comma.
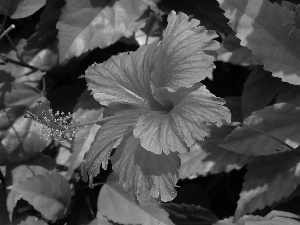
[(102, 120), (9, 60), (11, 42), (14, 129), (44, 86), (7, 30), (3, 23), (262, 132)]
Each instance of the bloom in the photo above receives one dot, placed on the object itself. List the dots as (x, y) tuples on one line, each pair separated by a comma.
[(169, 108)]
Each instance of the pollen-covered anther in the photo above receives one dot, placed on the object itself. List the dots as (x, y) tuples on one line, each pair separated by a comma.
[(58, 126)]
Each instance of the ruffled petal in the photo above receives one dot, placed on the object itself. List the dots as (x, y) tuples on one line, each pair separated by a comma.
[(107, 137), (144, 174), (123, 78), (179, 129), (185, 53)]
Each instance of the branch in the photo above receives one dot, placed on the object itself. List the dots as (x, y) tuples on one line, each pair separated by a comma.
[(7, 30), (19, 63)]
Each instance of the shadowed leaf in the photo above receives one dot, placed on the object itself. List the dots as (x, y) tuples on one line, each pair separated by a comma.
[(86, 24), (259, 25), (119, 207), (49, 194)]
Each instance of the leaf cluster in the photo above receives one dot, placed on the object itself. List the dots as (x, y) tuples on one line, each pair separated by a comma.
[(178, 93)]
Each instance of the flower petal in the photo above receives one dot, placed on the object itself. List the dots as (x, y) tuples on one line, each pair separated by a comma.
[(123, 78), (145, 174), (185, 53), (184, 124), (107, 137)]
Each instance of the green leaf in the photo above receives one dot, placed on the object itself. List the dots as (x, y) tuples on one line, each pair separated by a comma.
[(289, 5), (4, 216), (100, 220), (279, 179), (272, 218), (206, 157), (18, 9), (46, 32), (233, 103), (189, 214), (31, 220), (259, 25), (11, 72), (232, 52), (144, 174), (86, 24), (260, 90), (21, 173), (20, 137), (86, 109), (49, 194), (207, 11), (281, 120), (289, 94), (119, 207)]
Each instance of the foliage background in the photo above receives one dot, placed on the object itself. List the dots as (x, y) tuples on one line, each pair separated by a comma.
[(53, 44)]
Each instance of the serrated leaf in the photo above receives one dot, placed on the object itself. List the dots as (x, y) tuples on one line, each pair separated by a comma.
[(206, 157), (207, 11), (276, 221), (49, 194), (20, 137), (260, 90), (279, 179), (85, 24), (259, 25), (86, 109), (41, 50), (21, 173), (281, 120), (120, 207), (144, 174), (289, 94), (31, 220), (100, 220), (18, 9), (272, 218), (289, 5), (232, 52), (189, 214)]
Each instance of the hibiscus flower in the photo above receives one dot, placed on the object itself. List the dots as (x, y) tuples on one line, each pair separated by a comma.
[(169, 109)]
